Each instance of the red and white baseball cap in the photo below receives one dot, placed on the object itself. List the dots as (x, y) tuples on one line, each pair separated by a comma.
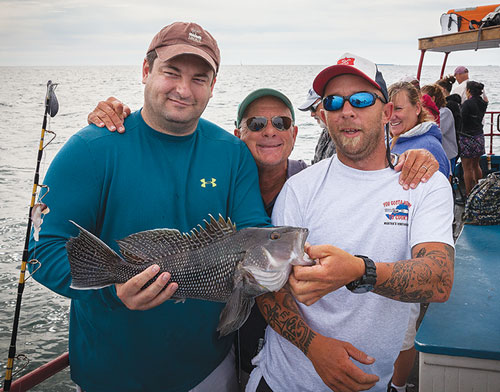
[(350, 63)]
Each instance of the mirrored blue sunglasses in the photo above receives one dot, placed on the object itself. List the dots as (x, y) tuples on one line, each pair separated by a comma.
[(360, 99)]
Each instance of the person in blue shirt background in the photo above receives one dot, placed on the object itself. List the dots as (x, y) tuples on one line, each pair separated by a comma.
[(124, 337)]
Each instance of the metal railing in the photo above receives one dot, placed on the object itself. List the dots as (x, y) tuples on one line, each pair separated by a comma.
[(494, 127)]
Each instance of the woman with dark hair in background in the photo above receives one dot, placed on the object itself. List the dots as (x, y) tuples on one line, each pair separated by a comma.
[(453, 101), (471, 139)]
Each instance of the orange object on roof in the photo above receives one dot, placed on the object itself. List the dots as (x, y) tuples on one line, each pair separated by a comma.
[(459, 19)]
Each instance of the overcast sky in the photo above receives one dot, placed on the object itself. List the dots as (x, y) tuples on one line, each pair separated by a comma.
[(117, 32)]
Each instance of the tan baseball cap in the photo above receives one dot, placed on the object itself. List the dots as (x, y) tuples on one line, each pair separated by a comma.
[(186, 38)]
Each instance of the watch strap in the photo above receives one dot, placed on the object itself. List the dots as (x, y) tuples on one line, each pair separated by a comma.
[(368, 280)]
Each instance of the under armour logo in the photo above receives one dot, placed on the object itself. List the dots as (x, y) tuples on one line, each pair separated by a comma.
[(346, 61), (205, 182)]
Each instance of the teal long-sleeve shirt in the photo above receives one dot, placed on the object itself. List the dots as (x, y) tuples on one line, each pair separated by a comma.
[(115, 185)]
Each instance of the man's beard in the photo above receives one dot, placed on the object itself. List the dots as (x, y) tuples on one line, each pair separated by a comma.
[(363, 145)]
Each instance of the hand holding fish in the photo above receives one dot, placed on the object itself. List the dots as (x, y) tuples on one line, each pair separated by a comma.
[(134, 297), (335, 269), (214, 263), (331, 359)]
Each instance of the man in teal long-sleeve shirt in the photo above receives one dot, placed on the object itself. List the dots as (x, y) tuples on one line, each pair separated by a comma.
[(171, 169)]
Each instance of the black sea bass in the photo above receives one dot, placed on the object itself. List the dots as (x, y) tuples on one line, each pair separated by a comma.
[(215, 263)]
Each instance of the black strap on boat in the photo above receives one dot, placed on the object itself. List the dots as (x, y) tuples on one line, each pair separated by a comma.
[(478, 37), (51, 109)]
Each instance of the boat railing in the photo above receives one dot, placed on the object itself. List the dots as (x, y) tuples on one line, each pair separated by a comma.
[(40, 374), (494, 127)]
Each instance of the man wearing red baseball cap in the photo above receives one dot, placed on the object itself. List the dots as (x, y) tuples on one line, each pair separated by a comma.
[(389, 247), (171, 169)]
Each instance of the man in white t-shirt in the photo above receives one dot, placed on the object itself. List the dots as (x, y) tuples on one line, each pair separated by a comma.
[(389, 248), (461, 74)]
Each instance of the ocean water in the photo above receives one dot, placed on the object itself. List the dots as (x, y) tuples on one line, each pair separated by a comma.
[(44, 320)]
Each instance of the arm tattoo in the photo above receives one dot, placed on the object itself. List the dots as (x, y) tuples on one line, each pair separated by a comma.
[(283, 315), (419, 280)]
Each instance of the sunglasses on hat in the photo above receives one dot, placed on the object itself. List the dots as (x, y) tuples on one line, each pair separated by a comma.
[(281, 123), (360, 99)]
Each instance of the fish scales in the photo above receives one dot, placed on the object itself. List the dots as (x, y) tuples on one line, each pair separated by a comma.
[(215, 262), (193, 269), (200, 278)]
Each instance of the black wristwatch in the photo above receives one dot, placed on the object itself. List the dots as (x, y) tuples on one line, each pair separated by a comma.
[(367, 281)]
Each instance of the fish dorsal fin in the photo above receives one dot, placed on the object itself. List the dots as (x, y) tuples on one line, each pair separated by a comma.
[(218, 228), (152, 245), (149, 245)]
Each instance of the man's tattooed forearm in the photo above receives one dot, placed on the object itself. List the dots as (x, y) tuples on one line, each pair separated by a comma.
[(405, 283), (415, 281), (285, 319)]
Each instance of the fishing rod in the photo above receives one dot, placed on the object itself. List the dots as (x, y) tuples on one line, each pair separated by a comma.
[(51, 109)]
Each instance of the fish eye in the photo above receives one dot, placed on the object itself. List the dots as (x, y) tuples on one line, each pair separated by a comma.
[(275, 235)]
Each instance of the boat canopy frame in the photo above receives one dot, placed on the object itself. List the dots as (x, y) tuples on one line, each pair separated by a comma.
[(484, 38)]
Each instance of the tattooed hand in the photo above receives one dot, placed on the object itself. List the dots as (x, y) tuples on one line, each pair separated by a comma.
[(330, 357)]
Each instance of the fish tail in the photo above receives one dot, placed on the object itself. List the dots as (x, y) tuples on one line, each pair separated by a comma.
[(91, 261), (236, 312)]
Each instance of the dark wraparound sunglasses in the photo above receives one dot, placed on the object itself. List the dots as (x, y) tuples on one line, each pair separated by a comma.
[(281, 123), (314, 107), (361, 99)]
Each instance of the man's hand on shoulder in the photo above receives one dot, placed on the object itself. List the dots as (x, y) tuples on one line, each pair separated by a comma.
[(416, 166), (335, 269), (134, 297), (331, 359), (110, 113)]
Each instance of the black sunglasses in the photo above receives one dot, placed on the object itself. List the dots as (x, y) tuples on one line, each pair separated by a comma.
[(360, 99), (281, 123), (314, 106)]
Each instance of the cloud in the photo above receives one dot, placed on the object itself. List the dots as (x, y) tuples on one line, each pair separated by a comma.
[(75, 32)]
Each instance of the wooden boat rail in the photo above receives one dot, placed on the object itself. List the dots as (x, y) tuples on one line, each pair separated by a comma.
[(40, 374)]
